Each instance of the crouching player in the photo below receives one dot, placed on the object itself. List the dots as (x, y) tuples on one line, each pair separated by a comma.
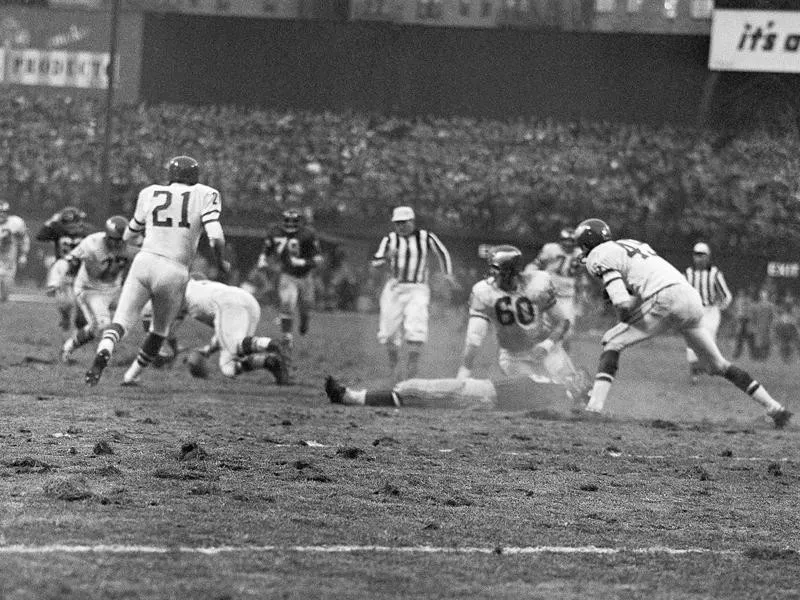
[(522, 392), (234, 314), (99, 264), (528, 322)]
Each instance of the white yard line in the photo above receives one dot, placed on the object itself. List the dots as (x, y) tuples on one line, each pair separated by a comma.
[(342, 549)]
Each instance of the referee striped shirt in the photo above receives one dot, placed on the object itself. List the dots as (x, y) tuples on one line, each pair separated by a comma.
[(407, 256), (711, 284)]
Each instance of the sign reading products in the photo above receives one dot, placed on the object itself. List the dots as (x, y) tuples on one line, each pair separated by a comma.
[(56, 68), (754, 40)]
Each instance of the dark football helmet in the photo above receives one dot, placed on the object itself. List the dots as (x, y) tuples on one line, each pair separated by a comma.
[(115, 227), (183, 169), (292, 219), (505, 265), (591, 233)]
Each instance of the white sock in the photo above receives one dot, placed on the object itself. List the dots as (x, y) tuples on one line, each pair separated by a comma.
[(355, 397), (762, 396), (599, 394), (133, 372)]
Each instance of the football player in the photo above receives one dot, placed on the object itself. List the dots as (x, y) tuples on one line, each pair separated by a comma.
[(529, 324), (522, 392), (15, 243), (292, 250), (97, 267), (562, 260), (171, 219), (65, 229), (651, 296), (234, 314)]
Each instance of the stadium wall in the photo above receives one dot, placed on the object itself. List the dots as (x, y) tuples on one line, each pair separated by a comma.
[(403, 69)]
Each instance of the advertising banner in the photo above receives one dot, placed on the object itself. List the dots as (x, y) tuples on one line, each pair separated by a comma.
[(755, 40), (56, 68), (68, 49), (265, 9)]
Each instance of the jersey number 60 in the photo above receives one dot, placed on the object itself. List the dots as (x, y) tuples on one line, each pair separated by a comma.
[(520, 311)]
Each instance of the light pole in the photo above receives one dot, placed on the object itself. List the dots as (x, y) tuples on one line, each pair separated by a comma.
[(105, 160)]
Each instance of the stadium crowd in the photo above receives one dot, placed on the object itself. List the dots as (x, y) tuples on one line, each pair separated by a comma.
[(520, 178), (513, 178)]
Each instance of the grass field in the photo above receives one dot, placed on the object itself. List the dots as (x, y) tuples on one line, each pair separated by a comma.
[(186, 488)]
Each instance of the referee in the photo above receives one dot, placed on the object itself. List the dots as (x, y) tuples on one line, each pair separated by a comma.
[(406, 295), (709, 281)]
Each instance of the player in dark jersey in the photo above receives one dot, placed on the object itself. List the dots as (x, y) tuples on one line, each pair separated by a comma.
[(292, 250), (65, 229)]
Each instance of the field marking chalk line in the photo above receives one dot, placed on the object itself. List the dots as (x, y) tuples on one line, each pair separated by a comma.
[(11, 549)]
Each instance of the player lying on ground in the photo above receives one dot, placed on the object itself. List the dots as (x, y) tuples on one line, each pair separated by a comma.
[(651, 297), (522, 392), (234, 314)]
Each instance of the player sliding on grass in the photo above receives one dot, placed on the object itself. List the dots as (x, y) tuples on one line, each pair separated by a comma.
[(651, 296)]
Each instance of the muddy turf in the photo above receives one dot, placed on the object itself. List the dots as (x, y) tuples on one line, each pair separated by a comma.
[(188, 488)]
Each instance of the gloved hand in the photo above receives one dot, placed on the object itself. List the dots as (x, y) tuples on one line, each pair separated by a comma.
[(296, 261)]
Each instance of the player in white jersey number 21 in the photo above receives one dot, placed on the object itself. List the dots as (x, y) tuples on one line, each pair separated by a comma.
[(171, 218), (651, 296)]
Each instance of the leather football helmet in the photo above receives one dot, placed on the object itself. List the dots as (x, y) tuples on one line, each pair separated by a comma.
[(183, 169), (505, 265), (115, 227), (292, 219), (591, 233)]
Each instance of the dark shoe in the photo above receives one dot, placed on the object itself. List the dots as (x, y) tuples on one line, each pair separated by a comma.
[(275, 364), (335, 390), (98, 366), (781, 418), (304, 321)]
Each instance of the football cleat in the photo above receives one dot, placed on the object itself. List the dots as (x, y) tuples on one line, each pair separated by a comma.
[(275, 364), (98, 366), (196, 363), (781, 418), (305, 318), (335, 391)]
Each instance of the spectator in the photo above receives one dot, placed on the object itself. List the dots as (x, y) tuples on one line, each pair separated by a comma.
[(786, 334), (762, 317), (742, 311)]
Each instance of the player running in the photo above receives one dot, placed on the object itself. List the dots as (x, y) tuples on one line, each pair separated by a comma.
[(651, 296), (562, 260), (171, 218), (15, 244), (293, 250), (97, 267), (65, 229)]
